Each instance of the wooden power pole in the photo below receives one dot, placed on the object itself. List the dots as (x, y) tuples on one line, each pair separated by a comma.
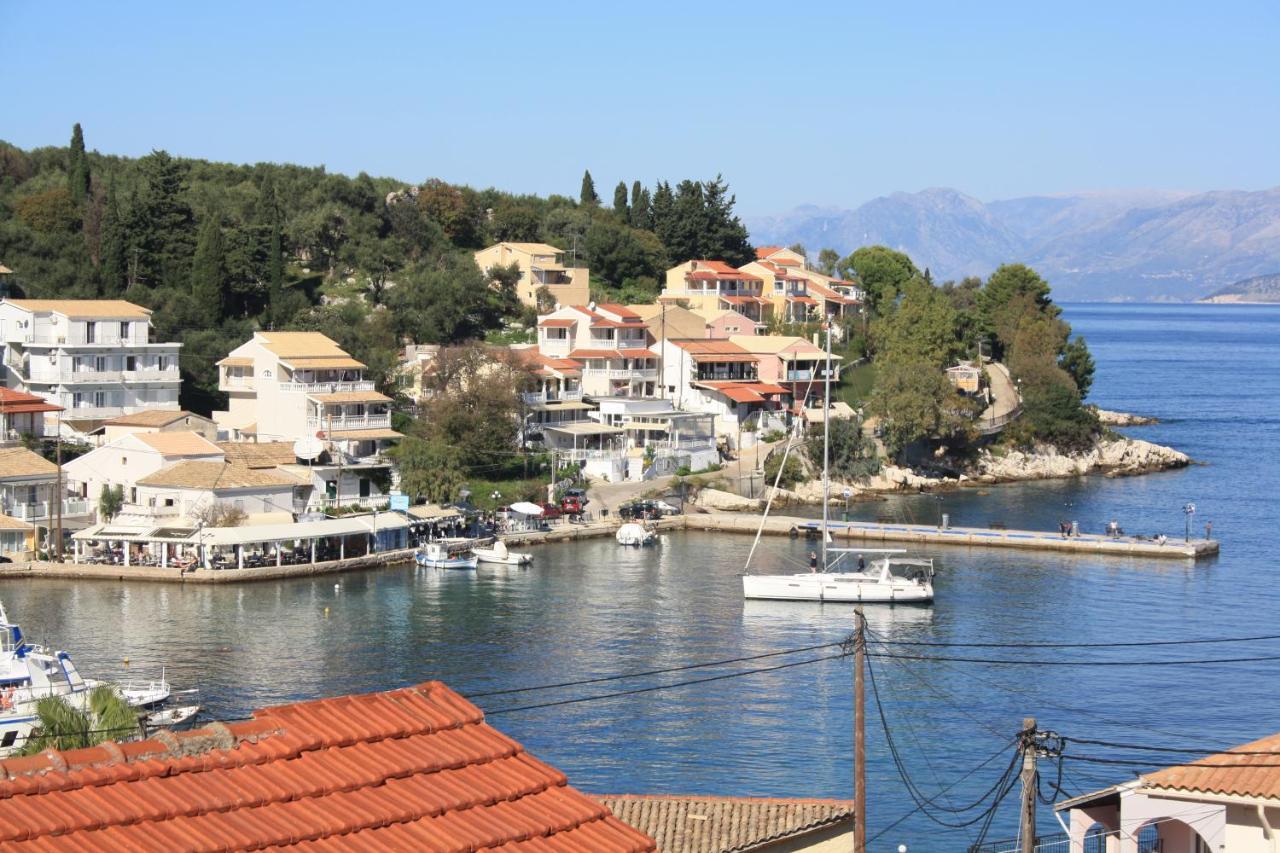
[(859, 736), (1027, 817)]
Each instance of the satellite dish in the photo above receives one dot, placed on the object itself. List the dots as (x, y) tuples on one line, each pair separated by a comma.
[(308, 448)]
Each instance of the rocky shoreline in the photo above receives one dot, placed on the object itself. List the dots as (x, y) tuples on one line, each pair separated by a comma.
[(1111, 456), (1122, 419)]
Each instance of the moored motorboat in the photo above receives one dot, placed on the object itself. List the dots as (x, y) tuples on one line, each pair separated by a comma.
[(445, 554), (498, 555), (634, 534), (167, 718)]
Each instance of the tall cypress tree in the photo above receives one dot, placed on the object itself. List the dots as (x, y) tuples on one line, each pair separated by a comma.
[(661, 213), (114, 255), (162, 224), (208, 271), (640, 215), (78, 167), (588, 196), (620, 201)]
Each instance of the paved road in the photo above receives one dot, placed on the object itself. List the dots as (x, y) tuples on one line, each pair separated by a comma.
[(1004, 393), (613, 495)]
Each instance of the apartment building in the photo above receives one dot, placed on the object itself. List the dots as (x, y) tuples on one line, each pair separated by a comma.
[(792, 362), (787, 291), (23, 414), (302, 388), (611, 342), (130, 458), (540, 266), (834, 297), (709, 284), (722, 378), (666, 320), (158, 420), (93, 357)]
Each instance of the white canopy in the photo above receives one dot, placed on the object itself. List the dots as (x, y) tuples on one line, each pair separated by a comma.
[(526, 508)]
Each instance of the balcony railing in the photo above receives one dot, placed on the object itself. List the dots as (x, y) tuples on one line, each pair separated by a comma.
[(151, 375), (580, 455), (81, 376), (628, 373), (346, 422), (90, 412), (327, 387), (43, 510), (531, 398)]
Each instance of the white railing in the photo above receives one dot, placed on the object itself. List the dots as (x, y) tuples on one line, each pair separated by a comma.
[(234, 383), (153, 510), (534, 397), (611, 373), (41, 510), (151, 375), (327, 387), (630, 343), (88, 376), (581, 455), (90, 412), (350, 422)]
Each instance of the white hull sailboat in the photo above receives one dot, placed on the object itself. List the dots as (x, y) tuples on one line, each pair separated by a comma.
[(879, 584)]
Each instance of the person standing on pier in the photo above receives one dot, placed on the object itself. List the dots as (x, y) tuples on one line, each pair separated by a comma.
[(813, 561)]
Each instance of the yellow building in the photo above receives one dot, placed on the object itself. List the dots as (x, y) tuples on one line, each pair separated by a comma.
[(17, 538), (786, 289), (540, 266), (710, 285)]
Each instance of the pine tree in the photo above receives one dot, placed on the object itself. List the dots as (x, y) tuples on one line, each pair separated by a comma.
[(661, 214), (587, 197), (78, 167), (162, 224), (640, 215), (723, 235), (114, 254), (208, 271), (620, 201)]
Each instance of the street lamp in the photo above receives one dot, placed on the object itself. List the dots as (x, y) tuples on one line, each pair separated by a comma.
[(1189, 511)]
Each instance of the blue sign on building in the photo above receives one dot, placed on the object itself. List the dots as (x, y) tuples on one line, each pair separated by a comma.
[(400, 503)]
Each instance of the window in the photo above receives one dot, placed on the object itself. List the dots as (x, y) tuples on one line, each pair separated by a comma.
[(124, 330), (133, 495), (10, 737), (100, 399), (100, 364), (130, 362), (90, 332), (364, 487), (162, 363), (124, 460)]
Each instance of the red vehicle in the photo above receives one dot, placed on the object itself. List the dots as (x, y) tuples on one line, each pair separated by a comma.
[(571, 505), (551, 511)]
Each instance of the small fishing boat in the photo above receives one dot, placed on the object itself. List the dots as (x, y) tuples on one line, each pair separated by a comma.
[(498, 555), (888, 580), (635, 534), (168, 718), (146, 694), (445, 554)]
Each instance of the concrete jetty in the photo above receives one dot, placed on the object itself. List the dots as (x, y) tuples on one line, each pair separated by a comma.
[(972, 537), (719, 522)]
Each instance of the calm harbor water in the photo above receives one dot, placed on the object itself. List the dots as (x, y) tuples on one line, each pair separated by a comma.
[(1211, 373)]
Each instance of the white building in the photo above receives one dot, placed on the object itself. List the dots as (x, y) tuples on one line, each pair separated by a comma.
[(93, 357), (610, 342), (29, 489), (184, 492), (130, 459), (721, 378), (302, 388)]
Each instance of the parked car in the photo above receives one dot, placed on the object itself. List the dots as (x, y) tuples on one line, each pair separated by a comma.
[(665, 508), (550, 511), (642, 509), (580, 494)]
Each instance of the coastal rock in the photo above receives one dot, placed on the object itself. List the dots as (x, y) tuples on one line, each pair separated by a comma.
[(1123, 419), (726, 501), (1115, 457)]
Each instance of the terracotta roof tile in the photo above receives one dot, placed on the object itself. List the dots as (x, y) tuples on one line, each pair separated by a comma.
[(196, 474), (416, 768), (179, 443), (255, 454), (725, 824), (15, 402), (153, 418), (20, 462), (91, 308), (1227, 773)]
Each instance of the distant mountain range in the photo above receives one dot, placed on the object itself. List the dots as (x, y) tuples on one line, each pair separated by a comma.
[(1260, 288), (1130, 245)]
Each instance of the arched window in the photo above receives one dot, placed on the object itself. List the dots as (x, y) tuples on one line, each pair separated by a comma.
[(1149, 839), (1095, 839)]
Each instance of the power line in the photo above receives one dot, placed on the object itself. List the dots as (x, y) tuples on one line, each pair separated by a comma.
[(1195, 749), (1139, 644), (1073, 663), (638, 690), (1133, 762), (651, 672)]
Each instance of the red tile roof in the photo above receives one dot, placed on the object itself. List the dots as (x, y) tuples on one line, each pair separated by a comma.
[(557, 324), (766, 251), (1229, 772), (719, 270), (13, 402), (728, 824), (410, 769), (617, 310)]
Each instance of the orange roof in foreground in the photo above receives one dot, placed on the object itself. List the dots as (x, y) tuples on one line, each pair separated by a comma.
[(1230, 772), (410, 769), (14, 402)]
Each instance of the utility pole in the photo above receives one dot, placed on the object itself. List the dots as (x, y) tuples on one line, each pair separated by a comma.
[(57, 497), (333, 449), (860, 736), (1027, 816)]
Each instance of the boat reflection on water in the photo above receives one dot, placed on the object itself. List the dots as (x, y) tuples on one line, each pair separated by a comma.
[(887, 621)]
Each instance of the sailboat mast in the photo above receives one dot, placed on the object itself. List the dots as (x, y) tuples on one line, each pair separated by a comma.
[(826, 446)]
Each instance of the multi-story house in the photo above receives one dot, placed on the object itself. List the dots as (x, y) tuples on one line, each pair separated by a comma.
[(787, 290), (541, 266), (659, 439), (29, 489), (666, 320), (556, 400), (23, 414), (158, 421), (416, 364), (302, 388), (126, 460), (834, 297), (793, 363), (721, 378), (93, 357), (724, 322), (714, 284), (611, 342)]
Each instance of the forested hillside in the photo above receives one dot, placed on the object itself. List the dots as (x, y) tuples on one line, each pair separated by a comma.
[(218, 250)]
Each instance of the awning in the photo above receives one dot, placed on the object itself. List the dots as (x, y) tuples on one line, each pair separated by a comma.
[(257, 519), (583, 428), (526, 508), (807, 300), (362, 434), (723, 357), (321, 362), (433, 512)]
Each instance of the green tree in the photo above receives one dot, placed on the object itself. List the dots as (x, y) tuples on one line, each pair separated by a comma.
[(110, 501), (208, 272), (1013, 293), (881, 271), (428, 469), (620, 206), (827, 260), (78, 167), (50, 212), (114, 252), (792, 473), (162, 225), (725, 237), (921, 328), (1078, 363), (456, 210), (619, 252), (662, 214), (640, 216), (445, 303), (915, 402), (587, 195), (852, 456), (61, 726)]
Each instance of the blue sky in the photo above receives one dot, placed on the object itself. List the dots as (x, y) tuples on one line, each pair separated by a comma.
[(824, 103)]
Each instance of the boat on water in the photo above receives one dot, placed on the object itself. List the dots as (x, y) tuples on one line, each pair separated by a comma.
[(635, 534), (144, 694), (446, 554), (498, 555), (168, 718), (891, 579)]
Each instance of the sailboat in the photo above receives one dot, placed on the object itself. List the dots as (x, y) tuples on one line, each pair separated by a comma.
[(890, 579)]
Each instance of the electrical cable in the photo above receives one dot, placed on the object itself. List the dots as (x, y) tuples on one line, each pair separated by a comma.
[(1076, 663), (651, 672), (1141, 644), (1195, 750), (1134, 762)]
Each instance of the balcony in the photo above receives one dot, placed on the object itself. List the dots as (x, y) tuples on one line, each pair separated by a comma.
[(346, 422), (80, 376), (90, 412), (41, 511), (632, 343), (327, 387), (533, 398), (650, 373), (150, 375)]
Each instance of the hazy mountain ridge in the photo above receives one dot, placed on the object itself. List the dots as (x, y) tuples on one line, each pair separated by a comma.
[(1145, 244), (1259, 288)]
